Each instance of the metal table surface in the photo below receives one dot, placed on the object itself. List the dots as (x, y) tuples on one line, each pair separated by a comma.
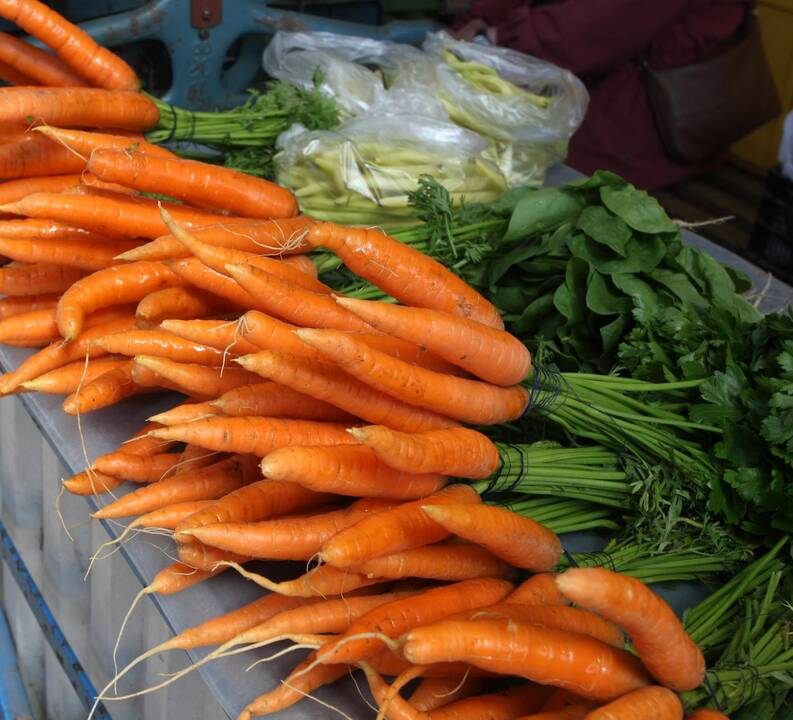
[(103, 431)]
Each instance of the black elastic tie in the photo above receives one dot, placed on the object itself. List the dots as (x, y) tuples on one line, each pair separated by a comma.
[(713, 697), (175, 119), (570, 558)]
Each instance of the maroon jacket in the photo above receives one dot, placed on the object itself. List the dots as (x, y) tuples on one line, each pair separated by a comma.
[(604, 42)]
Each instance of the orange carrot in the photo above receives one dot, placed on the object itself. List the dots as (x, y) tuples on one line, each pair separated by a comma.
[(273, 400), (263, 237), (180, 302), (707, 714), (467, 400), (576, 711), (202, 557), (503, 705), (40, 66), (322, 582), (303, 263), (70, 252), (146, 378), (178, 577), (159, 344), (197, 380), (118, 284), (458, 452), (108, 389), (37, 326), (91, 483), (252, 503), (37, 279), (490, 354), (269, 333), (223, 335), (12, 76), (538, 590), (660, 639), (34, 227), (650, 702), (184, 412), (402, 528), (194, 272), (168, 517), (329, 384), (74, 46), (13, 190), (64, 380), (11, 306), (552, 657), (137, 468), (433, 693), (516, 539), (84, 143), (292, 302), (141, 443), (346, 470), (286, 539), (398, 707), (197, 183), (255, 435), (403, 272)]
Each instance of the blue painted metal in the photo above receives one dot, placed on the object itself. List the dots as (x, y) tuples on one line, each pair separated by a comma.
[(14, 703), (49, 626), (197, 54)]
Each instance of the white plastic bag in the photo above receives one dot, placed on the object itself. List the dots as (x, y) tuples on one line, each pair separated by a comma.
[(786, 148)]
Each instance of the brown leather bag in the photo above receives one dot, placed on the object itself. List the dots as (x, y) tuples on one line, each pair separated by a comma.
[(702, 108)]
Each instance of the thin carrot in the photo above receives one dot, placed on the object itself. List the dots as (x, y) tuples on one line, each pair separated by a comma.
[(322, 582), (503, 705), (12, 76), (263, 237), (113, 285), (70, 252), (255, 435), (269, 333), (552, 657), (457, 452), (92, 184), (159, 344), (435, 692), (168, 517), (651, 702), (13, 190), (40, 66), (195, 379), (258, 501), (203, 557), (37, 326), (329, 384), (195, 182), (346, 470), (74, 46), (11, 306), (538, 590), (141, 443), (91, 483), (286, 539), (560, 699), (492, 355), (108, 389), (84, 143), (303, 263), (403, 272), (223, 335), (516, 539), (137, 468), (37, 278), (273, 400), (292, 302), (398, 707), (184, 412), (180, 302), (203, 484), (64, 380), (36, 227), (194, 272), (660, 639), (402, 528), (470, 401), (146, 378)]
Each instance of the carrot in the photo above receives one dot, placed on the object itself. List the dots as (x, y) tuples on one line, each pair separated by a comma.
[(399, 616), (57, 354), (74, 46), (180, 302), (194, 272), (538, 590), (516, 539), (433, 693), (71, 252), (64, 380), (91, 483), (303, 263), (84, 143), (346, 470), (398, 707), (168, 517), (108, 212), (402, 528), (197, 183), (269, 333), (467, 400), (255, 435), (202, 557), (503, 705), (403, 272), (263, 237), (13, 190), (37, 279), (185, 412), (490, 354), (40, 66), (660, 639), (35, 227), (37, 326), (12, 76), (194, 379), (11, 306), (707, 714), (92, 184), (294, 303), (144, 377), (118, 284), (258, 501), (286, 539), (193, 458), (459, 452), (159, 343), (577, 711), (561, 699), (141, 443), (321, 582), (448, 561), (552, 657), (273, 400), (108, 389), (137, 468), (409, 352), (222, 335), (650, 702), (329, 384)]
